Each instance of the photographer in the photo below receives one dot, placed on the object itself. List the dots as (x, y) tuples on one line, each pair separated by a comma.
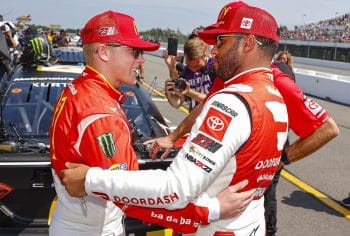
[(193, 80)]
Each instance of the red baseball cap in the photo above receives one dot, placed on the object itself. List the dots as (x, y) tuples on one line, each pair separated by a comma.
[(239, 17), (114, 27)]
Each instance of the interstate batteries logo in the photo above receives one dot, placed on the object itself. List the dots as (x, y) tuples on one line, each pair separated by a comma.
[(107, 144)]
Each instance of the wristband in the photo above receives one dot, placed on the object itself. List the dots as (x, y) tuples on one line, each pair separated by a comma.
[(284, 158), (214, 209)]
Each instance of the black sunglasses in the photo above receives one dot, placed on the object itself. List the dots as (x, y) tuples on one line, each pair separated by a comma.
[(136, 51)]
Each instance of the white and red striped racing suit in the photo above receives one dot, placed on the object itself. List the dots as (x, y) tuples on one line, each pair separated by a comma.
[(239, 135)]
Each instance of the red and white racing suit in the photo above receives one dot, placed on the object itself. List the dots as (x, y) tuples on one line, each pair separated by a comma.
[(89, 127), (305, 114), (239, 135)]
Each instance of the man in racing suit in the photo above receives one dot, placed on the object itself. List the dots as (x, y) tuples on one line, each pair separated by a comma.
[(89, 126), (239, 134)]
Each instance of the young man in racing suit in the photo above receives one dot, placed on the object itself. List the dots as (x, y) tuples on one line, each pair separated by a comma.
[(89, 125), (239, 134)]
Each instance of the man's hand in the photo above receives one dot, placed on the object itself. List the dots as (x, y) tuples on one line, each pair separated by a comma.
[(170, 61), (170, 86), (73, 178), (160, 143), (233, 203)]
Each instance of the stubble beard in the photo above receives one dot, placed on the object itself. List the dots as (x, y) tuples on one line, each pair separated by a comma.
[(229, 62)]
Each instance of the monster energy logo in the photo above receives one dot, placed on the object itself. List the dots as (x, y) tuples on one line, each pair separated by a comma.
[(106, 142), (37, 45)]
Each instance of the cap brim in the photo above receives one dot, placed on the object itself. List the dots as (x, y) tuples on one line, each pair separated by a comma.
[(209, 34), (139, 43)]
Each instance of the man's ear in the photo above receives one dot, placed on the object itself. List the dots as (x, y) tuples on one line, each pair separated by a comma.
[(102, 52), (249, 43)]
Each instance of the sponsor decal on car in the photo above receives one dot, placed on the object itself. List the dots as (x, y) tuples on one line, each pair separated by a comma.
[(16, 90), (206, 143), (130, 94), (45, 85), (107, 144), (22, 79), (61, 68), (215, 124)]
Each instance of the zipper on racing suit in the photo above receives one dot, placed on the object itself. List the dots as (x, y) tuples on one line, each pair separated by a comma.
[(83, 206)]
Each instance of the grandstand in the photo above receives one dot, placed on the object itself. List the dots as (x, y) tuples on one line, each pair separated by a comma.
[(336, 29), (325, 39)]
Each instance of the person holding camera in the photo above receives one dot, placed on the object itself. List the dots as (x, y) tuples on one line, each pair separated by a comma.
[(193, 80)]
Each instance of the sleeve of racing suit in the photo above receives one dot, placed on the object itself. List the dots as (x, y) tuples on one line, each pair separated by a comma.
[(185, 220), (202, 158), (305, 115)]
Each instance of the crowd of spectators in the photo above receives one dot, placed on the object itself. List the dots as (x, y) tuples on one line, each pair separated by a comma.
[(336, 29)]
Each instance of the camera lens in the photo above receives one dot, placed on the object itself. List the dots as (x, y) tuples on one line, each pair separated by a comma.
[(180, 84)]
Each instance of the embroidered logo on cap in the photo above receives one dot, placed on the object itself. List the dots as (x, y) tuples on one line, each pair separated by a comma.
[(135, 28), (223, 13), (106, 31), (246, 23)]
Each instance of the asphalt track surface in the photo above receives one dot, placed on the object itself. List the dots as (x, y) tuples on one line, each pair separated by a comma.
[(309, 191)]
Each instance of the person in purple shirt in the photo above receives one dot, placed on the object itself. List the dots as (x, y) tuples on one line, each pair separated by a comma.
[(190, 82)]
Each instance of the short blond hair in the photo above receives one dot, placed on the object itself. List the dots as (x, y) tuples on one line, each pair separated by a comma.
[(89, 50), (195, 48)]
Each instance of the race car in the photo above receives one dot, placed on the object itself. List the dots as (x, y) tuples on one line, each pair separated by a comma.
[(27, 96)]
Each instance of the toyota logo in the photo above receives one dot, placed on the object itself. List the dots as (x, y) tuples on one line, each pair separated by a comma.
[(215, 123)]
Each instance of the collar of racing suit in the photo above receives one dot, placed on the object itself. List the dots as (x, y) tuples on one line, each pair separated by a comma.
[(236, 79), (114, 92)]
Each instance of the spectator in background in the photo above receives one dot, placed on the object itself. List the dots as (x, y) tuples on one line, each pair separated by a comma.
[(284, 62), (285, 57), (61, 40), (198, 73), (10, 32)]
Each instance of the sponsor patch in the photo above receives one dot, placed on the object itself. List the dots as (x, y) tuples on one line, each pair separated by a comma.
[(198, 163), (197, 153), (265, 176), (107, 144), (246, 23), (269, 163), (215, 124), (259, 192), (225, 108), (313, 106), (206, 143), (121, 166)]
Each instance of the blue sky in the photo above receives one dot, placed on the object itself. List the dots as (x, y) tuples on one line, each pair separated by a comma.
[(175, 14)]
